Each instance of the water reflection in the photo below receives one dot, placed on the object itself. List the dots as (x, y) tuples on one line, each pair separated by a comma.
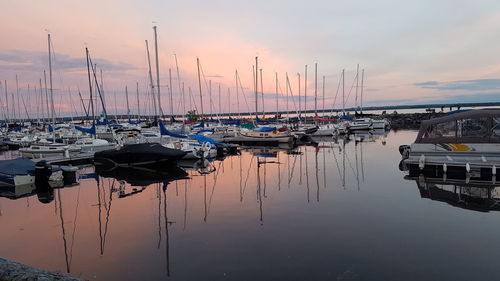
[(270, 207), (143, 176), (466, 194)]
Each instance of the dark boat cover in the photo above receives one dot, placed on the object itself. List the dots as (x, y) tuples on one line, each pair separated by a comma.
[(19, 166), (138, 154)]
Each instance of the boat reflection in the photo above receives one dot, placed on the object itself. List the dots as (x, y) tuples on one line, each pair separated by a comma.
[(144, 176), (472, 195)]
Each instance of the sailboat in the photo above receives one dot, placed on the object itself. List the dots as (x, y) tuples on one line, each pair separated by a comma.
[(262, 135)]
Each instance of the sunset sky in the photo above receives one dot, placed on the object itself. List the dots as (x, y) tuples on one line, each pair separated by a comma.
[(412, 51)]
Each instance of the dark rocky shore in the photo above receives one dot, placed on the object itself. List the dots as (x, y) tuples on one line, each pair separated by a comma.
[(13, 271), (409, 120)]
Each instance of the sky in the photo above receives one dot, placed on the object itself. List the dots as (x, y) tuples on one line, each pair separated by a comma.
[(411, 51)]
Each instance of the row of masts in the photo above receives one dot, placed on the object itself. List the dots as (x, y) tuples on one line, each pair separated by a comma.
[(156, 94)]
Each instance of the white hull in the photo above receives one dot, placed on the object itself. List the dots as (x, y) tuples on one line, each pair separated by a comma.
[(480, 155)]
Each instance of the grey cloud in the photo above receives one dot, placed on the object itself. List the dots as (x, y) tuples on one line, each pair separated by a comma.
[(214, 76), (467, 85), (38, 61)]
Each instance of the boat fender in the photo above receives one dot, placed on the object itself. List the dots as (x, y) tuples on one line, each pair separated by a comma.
[(421, 162), (445, 168), (494, 170), (467, 167)]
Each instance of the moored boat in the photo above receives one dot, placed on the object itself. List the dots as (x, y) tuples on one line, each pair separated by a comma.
[(137, 155), (464, 142)]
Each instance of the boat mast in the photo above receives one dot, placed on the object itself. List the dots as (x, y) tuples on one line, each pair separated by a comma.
[(362, 86), (305, 96), (103, 97), (343, 93), (277, 96), (199, 85), (128, 108), (300, 105), (210, 98), (18, 108), (229, 101), (90, 87), (6, 101), (138, 106), (151, 81), (41, 99), (46, 94), (171, 92), (220, 105), (256, 87), (50, 83), (157, 70), (183, 101), (237, 93), (316, 88), (287, 82), (357, 80), (179, 83), (323, 94), (262, 93)]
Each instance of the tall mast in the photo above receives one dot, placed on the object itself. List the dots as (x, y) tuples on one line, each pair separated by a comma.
[(305, 95), (151, 81), (103, 97), (300, 108), (183, 101), (277, 96), (343, 98), (262, 93), (46, 93), (220, 105), (256, 87), (138, 106), (17, 93), (323, 93), (237, 94), (362, 86), (157, 69), (357, 80), (90, 87), (179, 83), (199, 85), (6, 101), (316, 88), (41, 99), (210, 97), (171, 92), (126, 97), (50, 83), (229, 101), (287, 82)]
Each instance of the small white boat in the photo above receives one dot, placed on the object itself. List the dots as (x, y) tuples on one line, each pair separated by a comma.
[(193, 149), (273, 136), (40, 150), (91, 145), (326, 130), (361, 124)]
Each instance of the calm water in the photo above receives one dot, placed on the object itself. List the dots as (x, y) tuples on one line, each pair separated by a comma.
[(318, 213)]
